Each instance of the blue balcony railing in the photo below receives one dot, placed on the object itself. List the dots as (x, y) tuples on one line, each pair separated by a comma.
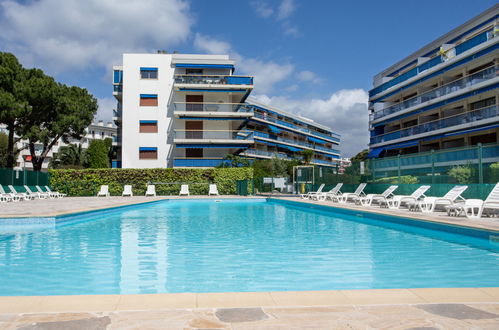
[(468, 117), (452, 87), (213, 80), (302, 129), (301, 143), (200, 162), (461, 48), (280, 155)]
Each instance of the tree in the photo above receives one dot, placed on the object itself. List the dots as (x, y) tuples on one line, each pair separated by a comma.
[(462, 174), (360, 157), (57, 111), (71, 156), (12, 106), (97, 154), (307, 156)]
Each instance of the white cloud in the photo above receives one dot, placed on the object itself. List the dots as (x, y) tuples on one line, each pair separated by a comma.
[(307, 75), (211, 45), (262, 8), (286, 8), (74, 34), (344, 111), (266, 73), (106, 106)]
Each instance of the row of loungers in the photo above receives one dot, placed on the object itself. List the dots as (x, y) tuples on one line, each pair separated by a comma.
[(452, 201), (151, 190), (25, 193)]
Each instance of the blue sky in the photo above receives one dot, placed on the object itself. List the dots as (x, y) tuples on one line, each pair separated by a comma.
[(310, 57)]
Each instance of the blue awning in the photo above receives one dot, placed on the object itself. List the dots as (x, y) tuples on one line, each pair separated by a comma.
[(148, 96), (315, 140), (204, 66), (472, 130), (402, 145), (274, 129), (148, 149), (215, 146), (148, 69), (374, 153)]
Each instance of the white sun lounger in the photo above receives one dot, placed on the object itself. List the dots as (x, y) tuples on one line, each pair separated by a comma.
[(474, 208), (380, 198), (24, 196), (331, 193), (104, 191), (50, 194), (7, 197), (127, 191), (151, 190), (55, 193), (184, 190), (312, 193), (213, 190), (428, 204), (359, 192), (397, 200), (38, 194)]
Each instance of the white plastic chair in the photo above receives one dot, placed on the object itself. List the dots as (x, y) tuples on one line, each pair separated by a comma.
[(380, 198), (313, 193), (184, 190), (213, 190), (104, 191), (127, 191), (151, 190), (397, 200)]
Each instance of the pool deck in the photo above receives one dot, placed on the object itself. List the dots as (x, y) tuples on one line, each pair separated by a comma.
[(428, 308)]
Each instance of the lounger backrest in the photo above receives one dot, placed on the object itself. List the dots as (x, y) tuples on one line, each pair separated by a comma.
[(151, 189), (420, 191), (320, 188), (493, 197), (213, 189), (12, 189), (40, 190), (455, 192), (28, 189), (184, 188), (360, 188), (336, 189), (104, 189), (2, 190), (389, 191), (48, 189), (127, 189)]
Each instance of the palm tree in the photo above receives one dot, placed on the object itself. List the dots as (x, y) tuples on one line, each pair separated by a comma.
[(307, 156), (72, 155)]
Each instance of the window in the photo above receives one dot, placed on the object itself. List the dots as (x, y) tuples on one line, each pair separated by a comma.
[(148, 100), (148, 126), (149, 73), (193, 153), (194, 71), (148, 153)]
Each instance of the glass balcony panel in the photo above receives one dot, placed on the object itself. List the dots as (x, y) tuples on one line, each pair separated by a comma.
[(213, 80), (209, 107), (213, 134), (301, 143)]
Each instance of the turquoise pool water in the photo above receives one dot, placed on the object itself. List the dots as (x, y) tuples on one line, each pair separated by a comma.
[(236, 245)]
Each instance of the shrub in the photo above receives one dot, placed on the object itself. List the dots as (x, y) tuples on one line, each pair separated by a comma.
[(462, 174), (87, 182), (405, 179), (97, 154), (494, 172)]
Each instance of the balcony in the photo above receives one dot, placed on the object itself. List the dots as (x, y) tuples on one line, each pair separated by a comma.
[(465, 118), (199, 162), (222, 138), (243, 81), (117, 115), (118, 91), (269, 154), (211, 110), (300, 143), (457, 85)]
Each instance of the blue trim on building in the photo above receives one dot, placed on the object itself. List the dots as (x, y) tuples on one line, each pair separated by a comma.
[(210, 118), (200, 162), (148, 121), (274, 129), (212, 90), (149, 69), (204, 66), (214, 146), (148, 96)]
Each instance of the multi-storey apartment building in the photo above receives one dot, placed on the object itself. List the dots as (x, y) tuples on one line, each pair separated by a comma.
[(443, 96), (180, 110)]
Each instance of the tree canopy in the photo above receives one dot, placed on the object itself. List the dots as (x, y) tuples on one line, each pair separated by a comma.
[(97, 154), (35, 107)]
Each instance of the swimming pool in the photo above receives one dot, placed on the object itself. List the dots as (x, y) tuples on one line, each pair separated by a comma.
[(237, 245)]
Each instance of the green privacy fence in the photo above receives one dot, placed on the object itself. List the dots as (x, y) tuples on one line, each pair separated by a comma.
[(23, 177)]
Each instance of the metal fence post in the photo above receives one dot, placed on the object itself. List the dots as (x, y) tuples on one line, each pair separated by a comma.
[(398, 167), (480, 163), (373, 168), (432, 166)]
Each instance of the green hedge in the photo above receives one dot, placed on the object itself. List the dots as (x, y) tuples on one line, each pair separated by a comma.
[(87, 182)]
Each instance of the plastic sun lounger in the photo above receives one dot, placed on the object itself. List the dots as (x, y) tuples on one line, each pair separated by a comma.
[(151, 190), (184, 190), (474, 208), (38, 194), (380, 198), (359, 192), (50, 194), (127, 191), (8, 197), (312, 193), (56, 193), (23, 195), (324, 195), (104, 191), (397, 200), (428, 204), (213, 190)]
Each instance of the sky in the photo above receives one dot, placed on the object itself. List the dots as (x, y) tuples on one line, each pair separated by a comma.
[(314, 58)]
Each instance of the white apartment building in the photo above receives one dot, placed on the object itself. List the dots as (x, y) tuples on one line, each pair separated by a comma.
[(185, 110)]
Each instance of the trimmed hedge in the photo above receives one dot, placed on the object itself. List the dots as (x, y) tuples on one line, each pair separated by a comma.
[(88, 181)]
